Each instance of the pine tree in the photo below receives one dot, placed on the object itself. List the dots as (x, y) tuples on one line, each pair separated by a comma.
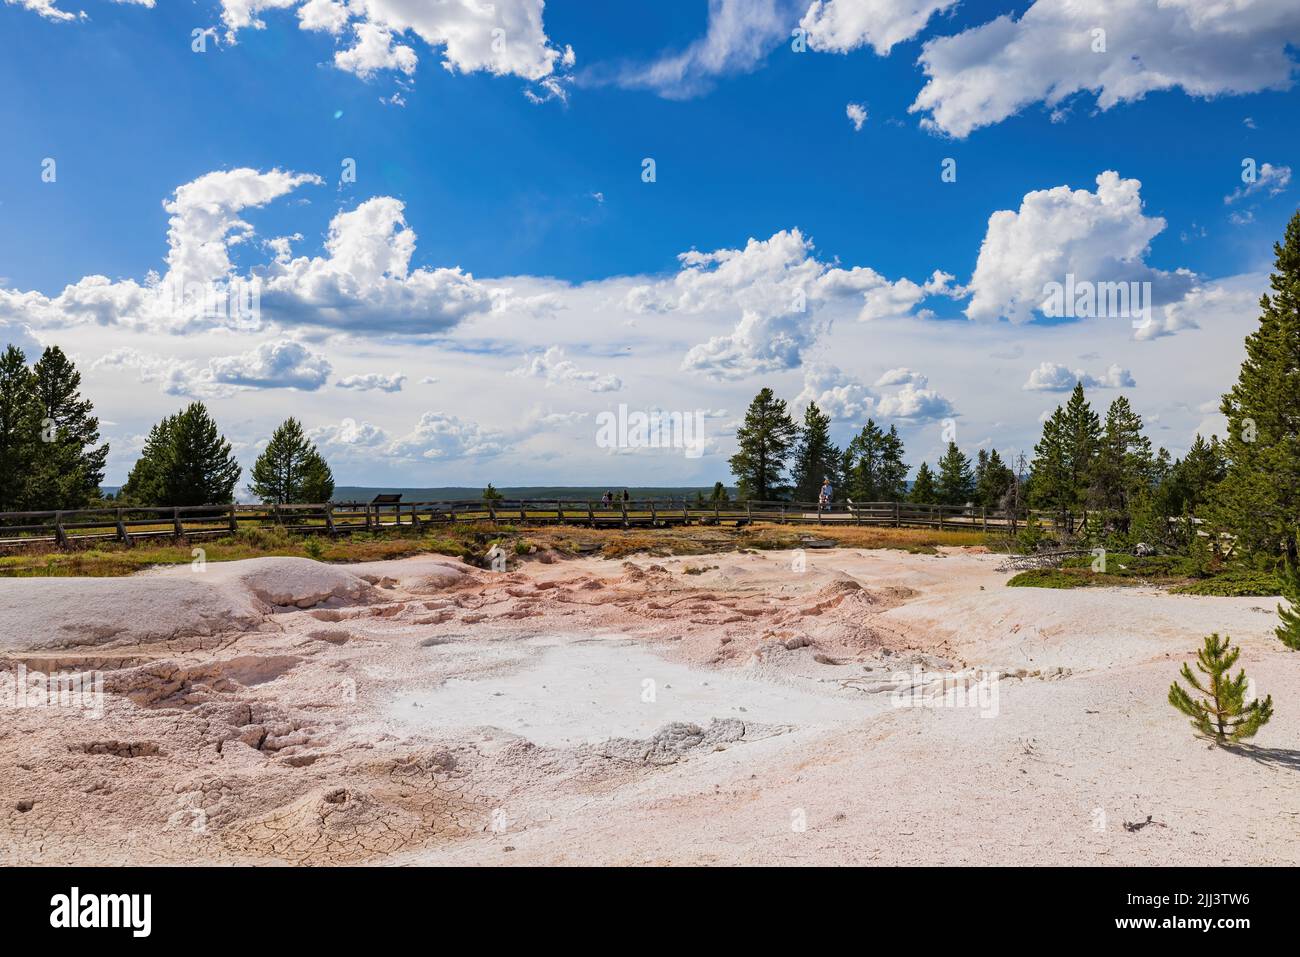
[(491, 495), (865, 456), (923, 491), (893, 470), (956, 484), (1259, 497), (290, 470), (185, 461), (1124, 469), (1224, 714), (1050, 484), (1082, 437), (68, 466), (719, 496), (815, 457), (204, 472), (764, 441), (20, 428), (874, 469), (317, 479), (992, 479), (146, 484), (1196, 474), (1289, 631)]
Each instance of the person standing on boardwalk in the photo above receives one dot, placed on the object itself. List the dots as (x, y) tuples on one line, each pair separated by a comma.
[(824, 499)]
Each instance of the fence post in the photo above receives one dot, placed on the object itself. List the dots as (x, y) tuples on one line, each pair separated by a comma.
[(492, 512), (749, 512), (329, 517), (559, 512), (783, 519), (623, 504), (654, 517), (984, 518), (60, 536), (121, 529), (941, 518), (176, 523), (591, 514)]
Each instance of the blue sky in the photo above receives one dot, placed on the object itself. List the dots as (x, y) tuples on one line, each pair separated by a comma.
[(543, 204)]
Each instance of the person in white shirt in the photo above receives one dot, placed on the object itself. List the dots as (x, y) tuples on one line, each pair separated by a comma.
[(824, 499)]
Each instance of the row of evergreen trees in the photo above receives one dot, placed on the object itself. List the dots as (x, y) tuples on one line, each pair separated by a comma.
[(1082, 463), (1244, 489), (869, 469), (187, 461), (51, 457), (1109, 469)]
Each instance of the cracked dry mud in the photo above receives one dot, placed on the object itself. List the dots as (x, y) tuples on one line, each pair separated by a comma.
[(590, 711)]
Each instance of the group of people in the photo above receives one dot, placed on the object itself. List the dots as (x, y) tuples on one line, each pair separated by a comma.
[(609, 498)]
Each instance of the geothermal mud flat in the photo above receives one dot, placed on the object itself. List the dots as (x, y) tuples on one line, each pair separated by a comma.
[(734, 708)]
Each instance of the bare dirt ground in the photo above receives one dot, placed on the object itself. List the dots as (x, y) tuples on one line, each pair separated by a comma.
[(753, 708)]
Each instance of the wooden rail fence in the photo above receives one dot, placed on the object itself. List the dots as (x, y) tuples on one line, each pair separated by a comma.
[(130, 523)]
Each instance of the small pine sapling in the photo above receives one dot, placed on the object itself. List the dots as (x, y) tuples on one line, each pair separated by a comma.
[(1224, 714)]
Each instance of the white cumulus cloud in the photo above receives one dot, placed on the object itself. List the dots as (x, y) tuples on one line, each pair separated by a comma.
[(1098, 237), (1055, 377), (373, 382), (505, 37), (838, 26), (552, 367), (1053, 52), (781, 290)]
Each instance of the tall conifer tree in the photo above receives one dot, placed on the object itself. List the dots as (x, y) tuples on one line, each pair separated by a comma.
[(815, 456), (69, 462), (765, 440), (1259, 497)]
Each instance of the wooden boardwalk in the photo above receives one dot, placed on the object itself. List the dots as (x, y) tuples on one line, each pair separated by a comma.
[(127, 524)]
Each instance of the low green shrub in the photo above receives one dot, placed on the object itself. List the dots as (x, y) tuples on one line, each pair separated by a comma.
[(1233, 584), (1047, 578)]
